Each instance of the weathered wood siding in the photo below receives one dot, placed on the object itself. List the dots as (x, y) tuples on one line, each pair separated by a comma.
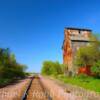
[(73, 40)]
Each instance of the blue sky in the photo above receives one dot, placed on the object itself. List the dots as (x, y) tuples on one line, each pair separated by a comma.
[(34, 29)]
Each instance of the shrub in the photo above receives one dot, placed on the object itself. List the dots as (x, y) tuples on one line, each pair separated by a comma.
[(96, 69), (51, 68), (9, 67)]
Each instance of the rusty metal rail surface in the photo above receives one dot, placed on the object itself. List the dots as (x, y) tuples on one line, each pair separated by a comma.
[(25, 95)]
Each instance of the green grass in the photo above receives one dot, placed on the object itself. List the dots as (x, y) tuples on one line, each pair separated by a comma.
[(89, 83)]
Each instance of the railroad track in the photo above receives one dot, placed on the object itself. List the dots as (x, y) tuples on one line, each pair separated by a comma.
[(36, 90)]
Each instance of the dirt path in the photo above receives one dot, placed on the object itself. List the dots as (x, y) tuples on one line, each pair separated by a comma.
[(56, 91), (14, 91)]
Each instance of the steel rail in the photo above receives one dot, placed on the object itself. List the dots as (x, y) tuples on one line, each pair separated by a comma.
[(24, 97)]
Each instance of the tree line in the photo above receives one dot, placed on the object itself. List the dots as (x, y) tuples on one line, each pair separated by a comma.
[(52, 68), (10, 69)]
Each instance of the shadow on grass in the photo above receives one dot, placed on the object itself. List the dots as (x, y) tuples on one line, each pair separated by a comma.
[(12, 82)]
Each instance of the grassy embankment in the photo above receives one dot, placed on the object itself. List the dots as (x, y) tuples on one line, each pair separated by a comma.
[(86, 82)]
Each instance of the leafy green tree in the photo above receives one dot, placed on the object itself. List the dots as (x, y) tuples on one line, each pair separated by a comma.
[(51, 68), (9, 67), (96, 69), (88, 55), (46, 67), (13, 58), (84, 56)]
